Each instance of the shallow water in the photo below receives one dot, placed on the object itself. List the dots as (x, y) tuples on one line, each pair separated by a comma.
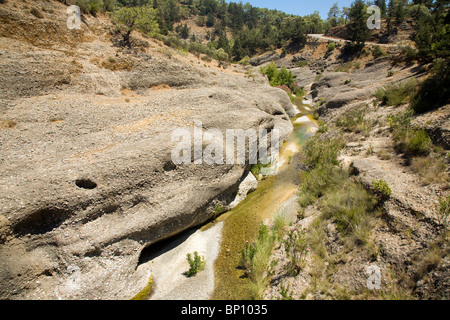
[(222, 240), (241, 223)]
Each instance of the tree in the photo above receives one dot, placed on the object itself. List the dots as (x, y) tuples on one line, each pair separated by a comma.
[(334, 14), (359, 32), (223, 43), (433, 42), (211, 20), (346, 14), (396, 12), (238, 52), (382, 5), (135, 18), (183, 30)]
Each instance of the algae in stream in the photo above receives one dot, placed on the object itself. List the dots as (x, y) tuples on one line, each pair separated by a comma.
[(241, 223)]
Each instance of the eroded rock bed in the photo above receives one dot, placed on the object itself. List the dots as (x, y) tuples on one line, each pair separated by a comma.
[(88, 184), (87, 180)]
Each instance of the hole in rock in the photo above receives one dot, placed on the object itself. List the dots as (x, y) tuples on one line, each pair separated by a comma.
[(41, 221), (169, 166), (158, 248), (85, 184)]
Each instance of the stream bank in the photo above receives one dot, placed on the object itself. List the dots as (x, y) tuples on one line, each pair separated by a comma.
[(222, 240), (276, 194)]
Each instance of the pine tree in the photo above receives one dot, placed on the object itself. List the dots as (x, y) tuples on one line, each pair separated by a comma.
[(334, 14), (359, 32), (382, 5)]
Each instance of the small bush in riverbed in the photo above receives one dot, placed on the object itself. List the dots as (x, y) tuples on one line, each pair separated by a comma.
[(296, 249), (196, 264)]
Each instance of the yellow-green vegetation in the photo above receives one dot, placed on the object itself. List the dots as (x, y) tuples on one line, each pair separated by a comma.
[(378, 52), (397, 94), (431, 169), (343, 202), (348, 67), (296, 248), (354, 121), (443, 213), (430, 259), (342, 199), (427, 160), (241, 226), (409, 140), (196, 264), (145, 293), (255, 257), (382, 189)]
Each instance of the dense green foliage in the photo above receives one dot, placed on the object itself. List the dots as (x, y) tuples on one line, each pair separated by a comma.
[(237, 31)]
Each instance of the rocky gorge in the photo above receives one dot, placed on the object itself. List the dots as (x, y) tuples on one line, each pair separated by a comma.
[(88, 185), (87, 178)]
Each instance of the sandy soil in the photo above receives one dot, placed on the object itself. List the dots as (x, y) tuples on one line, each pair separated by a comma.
[(170, 264)]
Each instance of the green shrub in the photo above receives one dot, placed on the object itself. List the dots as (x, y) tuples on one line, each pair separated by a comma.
[(397, 94), (196, 264), (90, 6), (378, 52), (322, 152), (255, 258), (434, 92), (351, 206), (316, 182), (245, 61), (409, 140), (278, 77), (296, 249), (330, 48), (382, 189), (417, 142), (353, 121), (409, 53), (346, 67)]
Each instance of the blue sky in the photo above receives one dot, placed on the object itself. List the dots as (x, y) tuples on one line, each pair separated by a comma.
[(299, 7)]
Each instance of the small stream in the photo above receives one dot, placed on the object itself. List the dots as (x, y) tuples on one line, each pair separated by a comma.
[(275, 194), (222, 240)]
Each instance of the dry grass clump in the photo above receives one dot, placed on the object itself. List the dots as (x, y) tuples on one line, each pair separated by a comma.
[(114, 63), (431, 170)]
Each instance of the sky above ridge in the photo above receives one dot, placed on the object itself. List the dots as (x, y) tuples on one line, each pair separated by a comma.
[(299, 7)]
